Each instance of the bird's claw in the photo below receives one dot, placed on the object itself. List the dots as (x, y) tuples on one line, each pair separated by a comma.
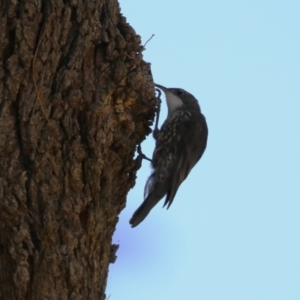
[(156, 130), (141, 155)]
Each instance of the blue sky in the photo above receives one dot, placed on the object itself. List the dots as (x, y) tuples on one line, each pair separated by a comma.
[(233, 230)]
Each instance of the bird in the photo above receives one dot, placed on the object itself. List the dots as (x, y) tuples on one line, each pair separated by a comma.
[(180, 143)]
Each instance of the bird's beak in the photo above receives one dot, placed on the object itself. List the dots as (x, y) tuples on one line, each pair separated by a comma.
[(161, 87)]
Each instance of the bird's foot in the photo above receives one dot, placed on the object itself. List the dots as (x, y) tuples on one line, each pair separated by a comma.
[(156, 130), (141, 155)]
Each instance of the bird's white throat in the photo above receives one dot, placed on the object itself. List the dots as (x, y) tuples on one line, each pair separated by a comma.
[(173, 102)]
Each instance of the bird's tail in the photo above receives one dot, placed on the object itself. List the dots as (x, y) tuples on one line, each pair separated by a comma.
[(142, 212), (154, 192)]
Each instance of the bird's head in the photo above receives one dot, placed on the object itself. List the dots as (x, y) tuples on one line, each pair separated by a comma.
[(179, 99)]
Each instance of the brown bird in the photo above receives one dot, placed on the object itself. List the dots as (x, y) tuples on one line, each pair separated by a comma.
[(180, 143)]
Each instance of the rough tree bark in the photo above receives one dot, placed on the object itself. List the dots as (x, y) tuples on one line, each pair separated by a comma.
[(76, 98)]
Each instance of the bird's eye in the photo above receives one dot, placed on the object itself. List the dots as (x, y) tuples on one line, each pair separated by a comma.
[(179, 92)]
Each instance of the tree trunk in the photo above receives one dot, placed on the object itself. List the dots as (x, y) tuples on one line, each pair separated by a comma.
[(75, 100)]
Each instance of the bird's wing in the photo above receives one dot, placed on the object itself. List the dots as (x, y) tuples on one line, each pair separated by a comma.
[(190, 145)]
